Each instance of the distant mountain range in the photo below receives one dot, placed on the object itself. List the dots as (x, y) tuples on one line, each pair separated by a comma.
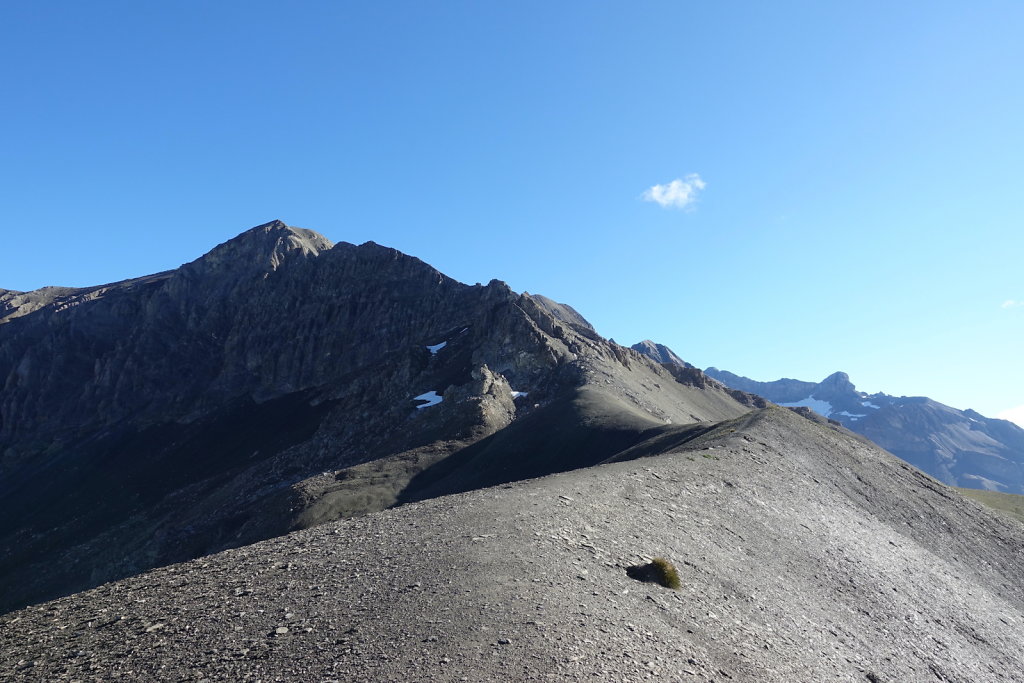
[(958, 447)]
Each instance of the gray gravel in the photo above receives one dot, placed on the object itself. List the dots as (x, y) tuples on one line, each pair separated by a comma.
[(804, 556)]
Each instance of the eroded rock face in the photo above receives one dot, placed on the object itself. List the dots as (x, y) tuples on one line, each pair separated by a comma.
[(261, 315), (161, 418)]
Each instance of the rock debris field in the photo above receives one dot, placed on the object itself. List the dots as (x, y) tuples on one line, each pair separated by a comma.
[(804, 555)]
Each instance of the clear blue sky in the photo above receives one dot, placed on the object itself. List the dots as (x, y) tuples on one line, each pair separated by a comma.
[(860, 163)]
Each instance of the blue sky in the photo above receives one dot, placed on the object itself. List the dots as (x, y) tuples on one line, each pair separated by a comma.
[(854, 170)]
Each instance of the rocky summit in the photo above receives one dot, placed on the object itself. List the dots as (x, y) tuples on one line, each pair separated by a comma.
[(298, 460)]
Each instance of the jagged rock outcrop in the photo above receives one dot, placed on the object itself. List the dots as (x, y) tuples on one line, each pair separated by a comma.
[(272, 384)]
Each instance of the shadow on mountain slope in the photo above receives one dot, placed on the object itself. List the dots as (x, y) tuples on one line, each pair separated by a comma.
[(120, 504), (590, 427), (581, 430)]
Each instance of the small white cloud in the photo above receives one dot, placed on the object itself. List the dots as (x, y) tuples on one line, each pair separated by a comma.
[(1011, 303), (1015, 415), (677, 194)]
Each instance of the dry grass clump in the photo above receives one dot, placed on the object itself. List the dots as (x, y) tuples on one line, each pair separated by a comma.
[(667, 575), (659, 570)]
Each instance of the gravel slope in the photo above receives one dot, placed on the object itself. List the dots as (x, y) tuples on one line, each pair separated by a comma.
[(805, 555)]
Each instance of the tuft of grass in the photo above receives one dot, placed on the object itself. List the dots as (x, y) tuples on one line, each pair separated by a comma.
[(666, 574), (659, 570)]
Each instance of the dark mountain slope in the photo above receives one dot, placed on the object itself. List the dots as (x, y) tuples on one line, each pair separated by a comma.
[(805, 555), (277, 382)]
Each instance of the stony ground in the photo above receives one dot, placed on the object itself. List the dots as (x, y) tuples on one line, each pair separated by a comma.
[(804, 556)]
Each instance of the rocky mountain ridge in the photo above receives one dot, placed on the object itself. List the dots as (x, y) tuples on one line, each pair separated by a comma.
[(277, 382)]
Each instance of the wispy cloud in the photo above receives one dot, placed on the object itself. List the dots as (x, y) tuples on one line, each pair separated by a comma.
[(1013, 415), (1012, 303), (678, 194)]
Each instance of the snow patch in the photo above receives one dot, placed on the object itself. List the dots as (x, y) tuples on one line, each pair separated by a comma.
[(436, 347), (517, 394), (869, 404), (431, 398), (823, 408), (851, 415)]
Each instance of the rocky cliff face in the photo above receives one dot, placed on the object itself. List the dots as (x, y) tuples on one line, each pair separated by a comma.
[(280, 381)]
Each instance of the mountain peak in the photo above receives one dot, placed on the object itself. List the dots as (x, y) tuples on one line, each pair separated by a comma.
[(279, 231), (262, 248), (276, 224), (659, 353), (560, 311), (837, 381), (837, 376)]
